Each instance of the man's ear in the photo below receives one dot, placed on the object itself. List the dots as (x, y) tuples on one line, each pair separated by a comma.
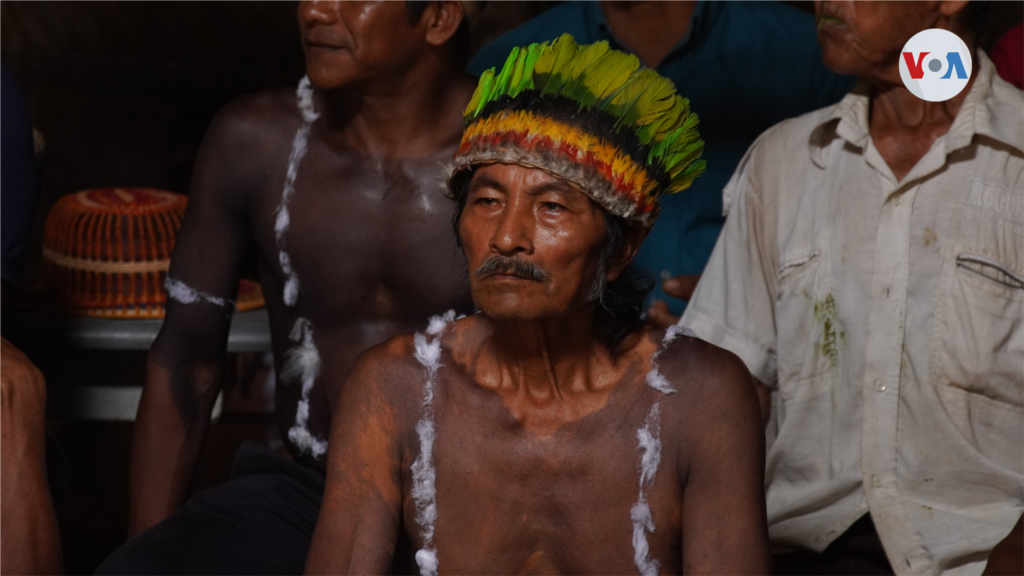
[(634, 238), (950, 7), (443, 19)]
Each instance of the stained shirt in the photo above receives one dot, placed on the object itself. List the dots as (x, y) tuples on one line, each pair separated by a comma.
[(888, 317), (18, 187), (744, 67)]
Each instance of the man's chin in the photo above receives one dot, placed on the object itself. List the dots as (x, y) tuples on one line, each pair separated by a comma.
[(326, 78), (841, 62), (511, 308)]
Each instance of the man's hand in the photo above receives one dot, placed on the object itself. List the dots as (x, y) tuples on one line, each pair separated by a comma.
[(24, 395), (681, 286), (33, 545)]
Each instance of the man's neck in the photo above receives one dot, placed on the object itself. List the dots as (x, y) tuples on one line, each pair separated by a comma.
[(903, 127), (548, 373), (549, 359), (409, 115), (651, 29)]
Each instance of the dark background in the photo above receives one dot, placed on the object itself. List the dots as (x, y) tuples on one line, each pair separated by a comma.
[(122, 93)]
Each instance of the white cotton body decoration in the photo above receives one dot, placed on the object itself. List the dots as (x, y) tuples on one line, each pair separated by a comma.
[(184, 294), (438, 323), (643, 521), (301, 361), (424, 489), (675, 331), (655, 379), (302, 364), (304, 95), (427, 560)]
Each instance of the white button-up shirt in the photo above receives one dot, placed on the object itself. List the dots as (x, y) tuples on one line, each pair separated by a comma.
[(888, 316)]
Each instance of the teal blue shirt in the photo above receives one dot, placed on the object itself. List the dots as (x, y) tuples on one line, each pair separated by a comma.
[(745, 66)]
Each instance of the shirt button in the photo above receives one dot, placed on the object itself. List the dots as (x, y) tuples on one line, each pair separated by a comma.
[(880, 385), (899, 200), (877, 481)]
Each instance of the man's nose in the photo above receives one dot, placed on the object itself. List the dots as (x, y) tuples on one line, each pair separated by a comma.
[(318, 12), (514, 234)]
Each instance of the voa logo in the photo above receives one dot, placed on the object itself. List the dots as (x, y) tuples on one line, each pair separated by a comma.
[(936, 65)]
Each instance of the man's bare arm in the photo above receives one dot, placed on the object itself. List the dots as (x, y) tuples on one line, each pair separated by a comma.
[(31, 540), (1008, 556), (724, 519), (184, 368), (360, 517)]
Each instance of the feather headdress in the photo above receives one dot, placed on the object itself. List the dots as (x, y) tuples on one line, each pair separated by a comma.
[(590, 115)]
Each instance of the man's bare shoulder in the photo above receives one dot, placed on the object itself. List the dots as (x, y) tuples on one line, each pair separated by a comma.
[(391, 365), (256, 118), (249, 139), (705, 376)]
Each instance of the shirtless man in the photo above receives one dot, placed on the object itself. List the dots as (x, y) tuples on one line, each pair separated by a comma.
[(336, 189), (554, 432), (31, 544)]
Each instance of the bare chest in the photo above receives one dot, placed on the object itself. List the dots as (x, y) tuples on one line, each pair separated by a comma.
[(509, 501), (367, 239)]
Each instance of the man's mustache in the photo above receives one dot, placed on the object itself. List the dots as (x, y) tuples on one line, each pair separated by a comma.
[(512, 266)]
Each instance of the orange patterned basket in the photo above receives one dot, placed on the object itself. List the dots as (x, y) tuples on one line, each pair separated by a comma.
[(107, 252)]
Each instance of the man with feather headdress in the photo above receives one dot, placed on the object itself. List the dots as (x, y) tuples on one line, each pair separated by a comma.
[(555, 431)]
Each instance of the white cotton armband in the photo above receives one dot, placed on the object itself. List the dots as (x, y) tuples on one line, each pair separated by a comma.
[(183, 294)]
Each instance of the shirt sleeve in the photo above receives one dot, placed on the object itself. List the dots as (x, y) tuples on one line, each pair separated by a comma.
[(17, 178), (733, 305)]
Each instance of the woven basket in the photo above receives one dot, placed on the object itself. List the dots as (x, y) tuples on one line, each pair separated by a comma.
[(107, 251)]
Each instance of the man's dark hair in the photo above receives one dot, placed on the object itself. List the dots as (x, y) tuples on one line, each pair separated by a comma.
[(975, 17), (619, 303), (415, 10)]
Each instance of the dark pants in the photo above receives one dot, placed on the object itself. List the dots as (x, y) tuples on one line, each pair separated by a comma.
[(260, 522), (857, 551)]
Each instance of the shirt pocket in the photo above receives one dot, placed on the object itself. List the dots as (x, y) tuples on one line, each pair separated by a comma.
[(808, 326), (977, 357)]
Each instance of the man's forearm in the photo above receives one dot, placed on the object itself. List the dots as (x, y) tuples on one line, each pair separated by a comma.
[(168, 438), (31, 540), (31, 544)]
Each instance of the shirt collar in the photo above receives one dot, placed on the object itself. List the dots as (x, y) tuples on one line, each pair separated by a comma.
[(849, 119), (698, 20)]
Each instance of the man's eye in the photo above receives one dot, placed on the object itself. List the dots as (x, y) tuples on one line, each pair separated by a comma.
[(553, 206), (487, 201)]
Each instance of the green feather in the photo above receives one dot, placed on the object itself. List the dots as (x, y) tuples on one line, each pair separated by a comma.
[(627, 96), (516, 77), (664, 144), (576, 84), (529, 61), (480, 95), (502, 81), (607, 75), (549, 71), (681, 158)]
